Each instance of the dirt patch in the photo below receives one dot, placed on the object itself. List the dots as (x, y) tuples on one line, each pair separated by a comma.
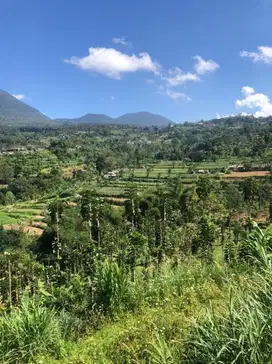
[(38, 217), (116, 199), (247, 174), (39, 224), (260, 216), (26, 229), (68, 171), (71, 203), (18, 210)]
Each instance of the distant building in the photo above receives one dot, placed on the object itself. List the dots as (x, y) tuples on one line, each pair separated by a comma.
[(201, 171), (112, 174)]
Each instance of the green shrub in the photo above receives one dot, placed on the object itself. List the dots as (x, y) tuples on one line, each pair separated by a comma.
[(111, 292), (242, 333), (27, 331)]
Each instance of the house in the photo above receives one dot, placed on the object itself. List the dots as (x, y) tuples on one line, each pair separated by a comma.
[(112, 174), (201, 171)]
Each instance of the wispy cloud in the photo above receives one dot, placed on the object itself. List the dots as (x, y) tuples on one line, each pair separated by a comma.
[(113, 63), (222, 116), (264, 54), (202, 67), (177, 95), (177, 77), (19, 97), (149, 81), (121, 40), (174, 95)]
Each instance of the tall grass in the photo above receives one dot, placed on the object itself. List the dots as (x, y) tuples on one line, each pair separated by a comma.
[(241, 331), (241, 335), (111, 287), (27, 331), (115, 293)]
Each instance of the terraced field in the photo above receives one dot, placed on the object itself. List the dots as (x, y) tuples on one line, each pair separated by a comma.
[(147, 178), (29, 217)]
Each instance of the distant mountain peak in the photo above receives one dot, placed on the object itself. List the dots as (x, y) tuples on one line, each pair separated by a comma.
[(16, 112), (141, 118)]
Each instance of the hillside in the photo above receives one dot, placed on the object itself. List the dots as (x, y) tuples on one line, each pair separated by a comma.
[(88, 119), (138, 118), (14, 112), (143, 118)]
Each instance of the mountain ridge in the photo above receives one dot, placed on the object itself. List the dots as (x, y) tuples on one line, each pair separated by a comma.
[(16, 112), (141, 118)]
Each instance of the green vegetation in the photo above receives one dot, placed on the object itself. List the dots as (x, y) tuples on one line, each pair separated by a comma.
[(142, 251), (6, 219)]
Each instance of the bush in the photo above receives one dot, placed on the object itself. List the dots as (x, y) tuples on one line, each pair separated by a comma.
[(65, 194), (111, 287), (241, 334), (27, 331)]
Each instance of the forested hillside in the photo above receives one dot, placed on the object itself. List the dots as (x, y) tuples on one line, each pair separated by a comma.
[(126, 244), (138, 118), (14, 112)]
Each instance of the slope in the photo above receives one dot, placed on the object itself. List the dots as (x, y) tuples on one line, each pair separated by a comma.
[(15, 112), (143, 118), (138, 118)]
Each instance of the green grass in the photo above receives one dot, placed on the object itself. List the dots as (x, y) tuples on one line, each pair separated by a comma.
[(5, 219), (162, 170), (165, 304), (193, 313), (28, 331), (18, 213)]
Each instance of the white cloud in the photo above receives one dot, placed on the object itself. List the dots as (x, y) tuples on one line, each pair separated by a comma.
[(264, 54), (177, 95), (174, 95), (222, 116), (121, 40), (202, 67), (178, 77), (114, 64), (19, 97), (255, 100), (246, 90)]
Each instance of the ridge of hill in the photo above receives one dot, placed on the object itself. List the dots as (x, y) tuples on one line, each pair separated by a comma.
[(137, 118), (16, 112)]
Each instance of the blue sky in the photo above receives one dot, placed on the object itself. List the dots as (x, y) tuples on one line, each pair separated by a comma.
[(68, 58)]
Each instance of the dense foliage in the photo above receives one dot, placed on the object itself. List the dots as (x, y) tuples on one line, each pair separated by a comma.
[(130, 278)]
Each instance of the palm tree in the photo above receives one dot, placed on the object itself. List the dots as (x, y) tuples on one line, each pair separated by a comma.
[(90, 207), (56, 209)]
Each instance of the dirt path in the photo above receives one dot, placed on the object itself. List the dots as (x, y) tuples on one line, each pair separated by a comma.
[(247, 174), (26, 229)]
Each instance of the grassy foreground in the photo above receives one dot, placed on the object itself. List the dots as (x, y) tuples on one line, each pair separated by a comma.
[(192, 313)]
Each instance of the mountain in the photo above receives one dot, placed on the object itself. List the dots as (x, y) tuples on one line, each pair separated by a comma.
[(16, 112), (143, 118), (138, 118), (88, 119)]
